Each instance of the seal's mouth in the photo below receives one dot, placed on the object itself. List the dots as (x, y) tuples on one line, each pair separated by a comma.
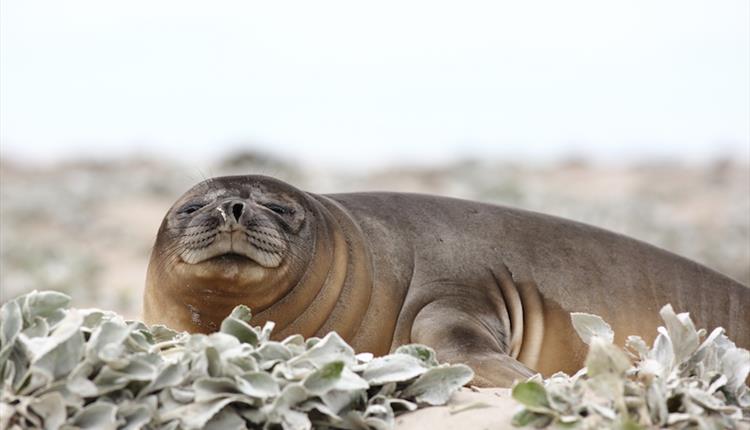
[(231, 257)]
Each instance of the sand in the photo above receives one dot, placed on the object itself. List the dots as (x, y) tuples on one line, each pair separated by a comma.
[(468, 409)]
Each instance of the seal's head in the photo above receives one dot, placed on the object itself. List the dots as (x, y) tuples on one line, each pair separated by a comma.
[(237, 237)]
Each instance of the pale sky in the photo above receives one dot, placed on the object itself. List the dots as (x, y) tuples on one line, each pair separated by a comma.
[(360, 83)]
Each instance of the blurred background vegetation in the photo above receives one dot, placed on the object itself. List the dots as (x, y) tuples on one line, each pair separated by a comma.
[(87, 227)]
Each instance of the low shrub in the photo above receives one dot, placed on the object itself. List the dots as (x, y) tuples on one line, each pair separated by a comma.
[(91, 369)]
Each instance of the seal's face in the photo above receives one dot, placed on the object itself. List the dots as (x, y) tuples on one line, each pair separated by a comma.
[(229, 240), (248, 222), (239, 229)]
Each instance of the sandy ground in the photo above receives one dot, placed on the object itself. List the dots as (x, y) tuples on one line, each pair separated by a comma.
[(478, 409)]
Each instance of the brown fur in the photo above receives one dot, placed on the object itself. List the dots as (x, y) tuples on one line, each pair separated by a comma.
[(487, 285)]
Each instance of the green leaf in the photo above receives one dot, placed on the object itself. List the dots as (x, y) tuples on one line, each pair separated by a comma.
[(238, 325), (136, 416), (350, 381), (531, 394), (333, 376), (169, 376), (438, 384), (104, 340), (97, 416), (423, 353), (338, 401), (208, 389), (393, 368), (280, 410), (11, 323), (525, 417), (258, 384), (51, 409), (323, 379), (273, 352), (38, 347), (240, 329), (330, 348), (196, 415), (227, 418), (162, 333), (60, 352), (37, 328), (46, 304), (82, 387), (242, 313)]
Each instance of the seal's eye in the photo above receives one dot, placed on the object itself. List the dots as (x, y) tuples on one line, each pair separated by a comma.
[(190, 208), (281, 210)]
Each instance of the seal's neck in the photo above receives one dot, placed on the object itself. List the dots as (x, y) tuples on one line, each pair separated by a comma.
[(335, 290)]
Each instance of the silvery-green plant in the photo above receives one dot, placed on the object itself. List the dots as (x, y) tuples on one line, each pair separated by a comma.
[(684, 380), (66, 368)]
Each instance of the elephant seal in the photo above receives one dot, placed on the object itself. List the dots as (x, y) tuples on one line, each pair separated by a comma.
[(486, 285)]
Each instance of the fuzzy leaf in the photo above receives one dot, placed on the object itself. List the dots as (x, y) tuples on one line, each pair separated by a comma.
[(526, 417), (241, 330), (106, 336), (196, 415), (530, 393), (423, 353), (68, 328), (97, 416), (324, 379), (393, 368), (331, 348), (438, 384), (606, 358), (226, 419), (46, 304), (207, 389), (242, 313), (258, 384), (11, 322), (51, 408), (587, 326), (682, 333), (735, 365)]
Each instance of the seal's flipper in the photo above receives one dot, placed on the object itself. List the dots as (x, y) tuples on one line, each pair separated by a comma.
[(497, 370), (471, 335)]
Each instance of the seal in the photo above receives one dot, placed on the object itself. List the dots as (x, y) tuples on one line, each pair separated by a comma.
[(482, 284)]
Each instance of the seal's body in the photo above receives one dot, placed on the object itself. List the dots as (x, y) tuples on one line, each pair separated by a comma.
[(487, 285)]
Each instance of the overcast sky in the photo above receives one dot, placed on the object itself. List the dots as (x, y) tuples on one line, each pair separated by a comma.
[(366, 83)]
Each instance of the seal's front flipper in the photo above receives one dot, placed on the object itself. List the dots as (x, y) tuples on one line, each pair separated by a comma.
[(471, 335), (495, 370)]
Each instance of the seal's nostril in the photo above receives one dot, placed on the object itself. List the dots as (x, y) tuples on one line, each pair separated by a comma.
[(237, 209)]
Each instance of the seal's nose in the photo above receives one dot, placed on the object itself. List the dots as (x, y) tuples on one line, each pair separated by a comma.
[(237, 210)]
